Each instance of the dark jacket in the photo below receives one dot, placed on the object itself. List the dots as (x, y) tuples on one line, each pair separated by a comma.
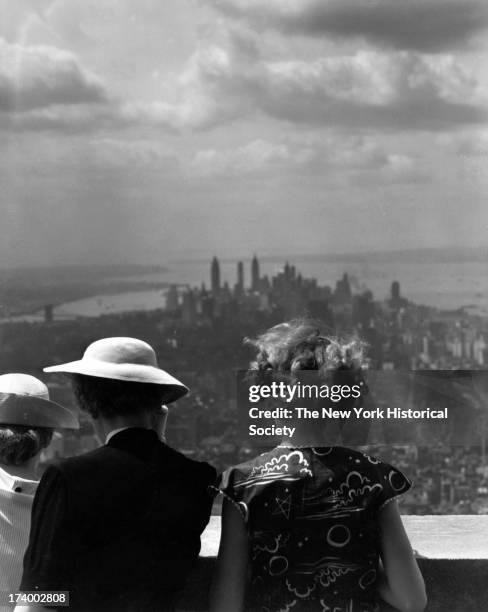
[(119, 527)]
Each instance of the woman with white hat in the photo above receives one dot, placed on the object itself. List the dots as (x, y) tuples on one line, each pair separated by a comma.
[(119, 527), (27, 421)]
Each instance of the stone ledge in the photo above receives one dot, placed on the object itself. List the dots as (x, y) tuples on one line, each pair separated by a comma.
[(454, 563)]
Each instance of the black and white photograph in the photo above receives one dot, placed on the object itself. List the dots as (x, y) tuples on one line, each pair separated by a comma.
[(244, 305)]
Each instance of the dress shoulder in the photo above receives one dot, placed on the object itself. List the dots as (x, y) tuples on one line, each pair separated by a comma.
[(245, 481), (393, 483)]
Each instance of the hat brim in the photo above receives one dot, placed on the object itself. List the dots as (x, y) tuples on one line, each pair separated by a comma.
[(130, 372), (31, 411)]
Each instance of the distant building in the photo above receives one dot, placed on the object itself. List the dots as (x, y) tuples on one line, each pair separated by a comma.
[(255, 278), (215, 276), (240, 278), (288, 272), (189, 308), (226, 292), (320, 310), (479, 350), (395, 291), (396, 299), (343, 293), (363, 309), (207, 306)]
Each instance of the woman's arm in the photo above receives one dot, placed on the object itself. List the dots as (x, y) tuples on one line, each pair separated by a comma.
[(229, 583), (400, 583)]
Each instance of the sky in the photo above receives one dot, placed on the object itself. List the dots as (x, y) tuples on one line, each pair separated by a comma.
[(141, 131)]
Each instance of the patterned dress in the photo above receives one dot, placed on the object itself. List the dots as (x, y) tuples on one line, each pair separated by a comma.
[(312, 519)]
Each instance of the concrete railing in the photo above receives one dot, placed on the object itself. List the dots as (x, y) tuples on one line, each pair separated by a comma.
[(453, 557)]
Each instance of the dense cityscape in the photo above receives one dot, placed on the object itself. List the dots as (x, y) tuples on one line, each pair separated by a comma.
[(198, 333)]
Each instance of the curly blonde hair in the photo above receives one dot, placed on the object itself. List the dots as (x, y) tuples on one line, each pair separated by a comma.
[(300, 345)]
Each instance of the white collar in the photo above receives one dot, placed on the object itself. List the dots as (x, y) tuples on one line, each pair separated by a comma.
[(114, 432), (17, 484)]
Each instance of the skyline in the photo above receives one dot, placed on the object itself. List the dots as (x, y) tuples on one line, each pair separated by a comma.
[(152, 132), (449, 279)]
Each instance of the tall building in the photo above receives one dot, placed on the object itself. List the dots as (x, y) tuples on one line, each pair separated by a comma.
[(189, 308), (343, 293), (255, 274), (395, 291), (240, 277), (215, 276)]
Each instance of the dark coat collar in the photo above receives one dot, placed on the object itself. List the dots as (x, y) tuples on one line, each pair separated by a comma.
[(136, 441)]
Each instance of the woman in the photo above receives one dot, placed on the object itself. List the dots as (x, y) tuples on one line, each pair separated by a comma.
[(27, 420), (119, 527), (316, 527)]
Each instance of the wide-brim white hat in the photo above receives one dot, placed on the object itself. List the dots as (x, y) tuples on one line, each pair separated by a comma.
[(126, 359), (24, 400)]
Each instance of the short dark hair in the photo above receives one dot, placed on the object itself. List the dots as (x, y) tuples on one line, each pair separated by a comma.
[(20, 443), (109, 398)]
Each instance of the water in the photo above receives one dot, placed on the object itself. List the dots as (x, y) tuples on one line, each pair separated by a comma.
[(113, 304), (443, 285)]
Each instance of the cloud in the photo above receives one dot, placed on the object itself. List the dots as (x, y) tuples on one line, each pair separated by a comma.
[(132, 153), (345, 160), (46, 88), (424, 25), (60, 118), (254, 157), (232, 75), (400, 90), (39, 77), (372, 89)]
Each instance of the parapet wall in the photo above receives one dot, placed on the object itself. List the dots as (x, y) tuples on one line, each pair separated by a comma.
[(453, 558)]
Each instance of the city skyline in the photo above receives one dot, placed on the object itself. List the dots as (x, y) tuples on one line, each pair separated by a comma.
[(148, 132)]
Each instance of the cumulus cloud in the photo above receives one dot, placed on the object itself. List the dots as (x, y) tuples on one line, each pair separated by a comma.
[(366, 89), (232, 75), (38, 77), (44, 87), (426, 25), (400, 90)]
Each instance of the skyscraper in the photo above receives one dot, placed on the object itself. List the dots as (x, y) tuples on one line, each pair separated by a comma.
[(255, 274), (395, 291), (240, 275), (215, 276), (189, 308), (343, 291)]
